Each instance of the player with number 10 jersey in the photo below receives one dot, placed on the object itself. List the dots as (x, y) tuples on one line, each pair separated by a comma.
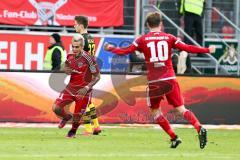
[(157, 49)]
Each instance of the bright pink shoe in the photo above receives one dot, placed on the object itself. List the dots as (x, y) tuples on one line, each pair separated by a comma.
[(96, 131)]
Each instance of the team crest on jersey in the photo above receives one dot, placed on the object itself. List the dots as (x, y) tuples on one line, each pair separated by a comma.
[(80, 64)]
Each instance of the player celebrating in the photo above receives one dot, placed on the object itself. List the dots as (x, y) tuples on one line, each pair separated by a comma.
[(80, 25), (156, 47), (84, 75)]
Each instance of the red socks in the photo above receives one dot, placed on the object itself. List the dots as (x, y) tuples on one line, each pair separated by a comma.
[(76, 121), (192, 119), (75, 126), (164, 123), (188, 115)]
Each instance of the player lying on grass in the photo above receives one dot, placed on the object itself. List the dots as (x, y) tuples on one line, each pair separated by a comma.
[(157, 49), (84, 74)]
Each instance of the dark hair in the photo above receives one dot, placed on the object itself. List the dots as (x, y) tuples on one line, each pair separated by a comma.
[(82, 20), (56, 37), (153, 19)]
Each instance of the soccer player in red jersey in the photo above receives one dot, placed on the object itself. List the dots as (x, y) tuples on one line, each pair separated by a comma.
[(84, 73), (157, 49), (81, 25)]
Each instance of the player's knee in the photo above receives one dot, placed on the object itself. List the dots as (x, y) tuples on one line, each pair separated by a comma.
[(156, 113), (180, 109), (57, 109)]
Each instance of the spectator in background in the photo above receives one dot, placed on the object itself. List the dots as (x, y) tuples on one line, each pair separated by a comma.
[(228, 31), (182, 63), (193, 13), (137, 62), (55, 55), (216, 21), (193, 26)]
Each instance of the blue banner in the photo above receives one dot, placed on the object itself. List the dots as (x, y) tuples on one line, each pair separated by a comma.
[(110, 62)]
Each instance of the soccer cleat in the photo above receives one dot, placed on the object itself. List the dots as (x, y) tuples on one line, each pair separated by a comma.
[(175, 142), (96, 131), (64, 121), (71, 134), (202, 135)]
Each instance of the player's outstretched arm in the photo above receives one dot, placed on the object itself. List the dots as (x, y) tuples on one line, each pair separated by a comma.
[(108, 47), (212, 49), (118, 50), (194, 49)]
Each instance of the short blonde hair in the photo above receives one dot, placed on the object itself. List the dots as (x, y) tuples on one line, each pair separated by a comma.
[(78, 38)]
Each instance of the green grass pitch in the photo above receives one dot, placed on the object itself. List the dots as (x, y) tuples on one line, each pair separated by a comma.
[(115, 143)]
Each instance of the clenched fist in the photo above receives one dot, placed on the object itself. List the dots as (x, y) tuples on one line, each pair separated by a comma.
[(212, 48), (107, 46)]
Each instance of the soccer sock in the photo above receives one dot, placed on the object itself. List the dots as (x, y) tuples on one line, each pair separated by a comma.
[(95, 122), (93, 114), (67, 117), (75, 126), (164, 123), (192, 119), (76, 122), (87, 120)]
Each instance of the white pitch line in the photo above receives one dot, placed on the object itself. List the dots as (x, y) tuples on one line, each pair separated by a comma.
[(54, 125), (218, 156)]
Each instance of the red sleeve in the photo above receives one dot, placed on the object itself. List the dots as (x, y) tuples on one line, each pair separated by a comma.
[(123, 51), (178, 44), (69, 56), (190, 48), (93, 66)]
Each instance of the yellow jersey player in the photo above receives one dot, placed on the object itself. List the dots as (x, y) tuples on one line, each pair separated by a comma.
[(81, 25)]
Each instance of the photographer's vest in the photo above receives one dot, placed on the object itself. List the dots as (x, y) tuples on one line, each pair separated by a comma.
[(192, 6), (47, 65)]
